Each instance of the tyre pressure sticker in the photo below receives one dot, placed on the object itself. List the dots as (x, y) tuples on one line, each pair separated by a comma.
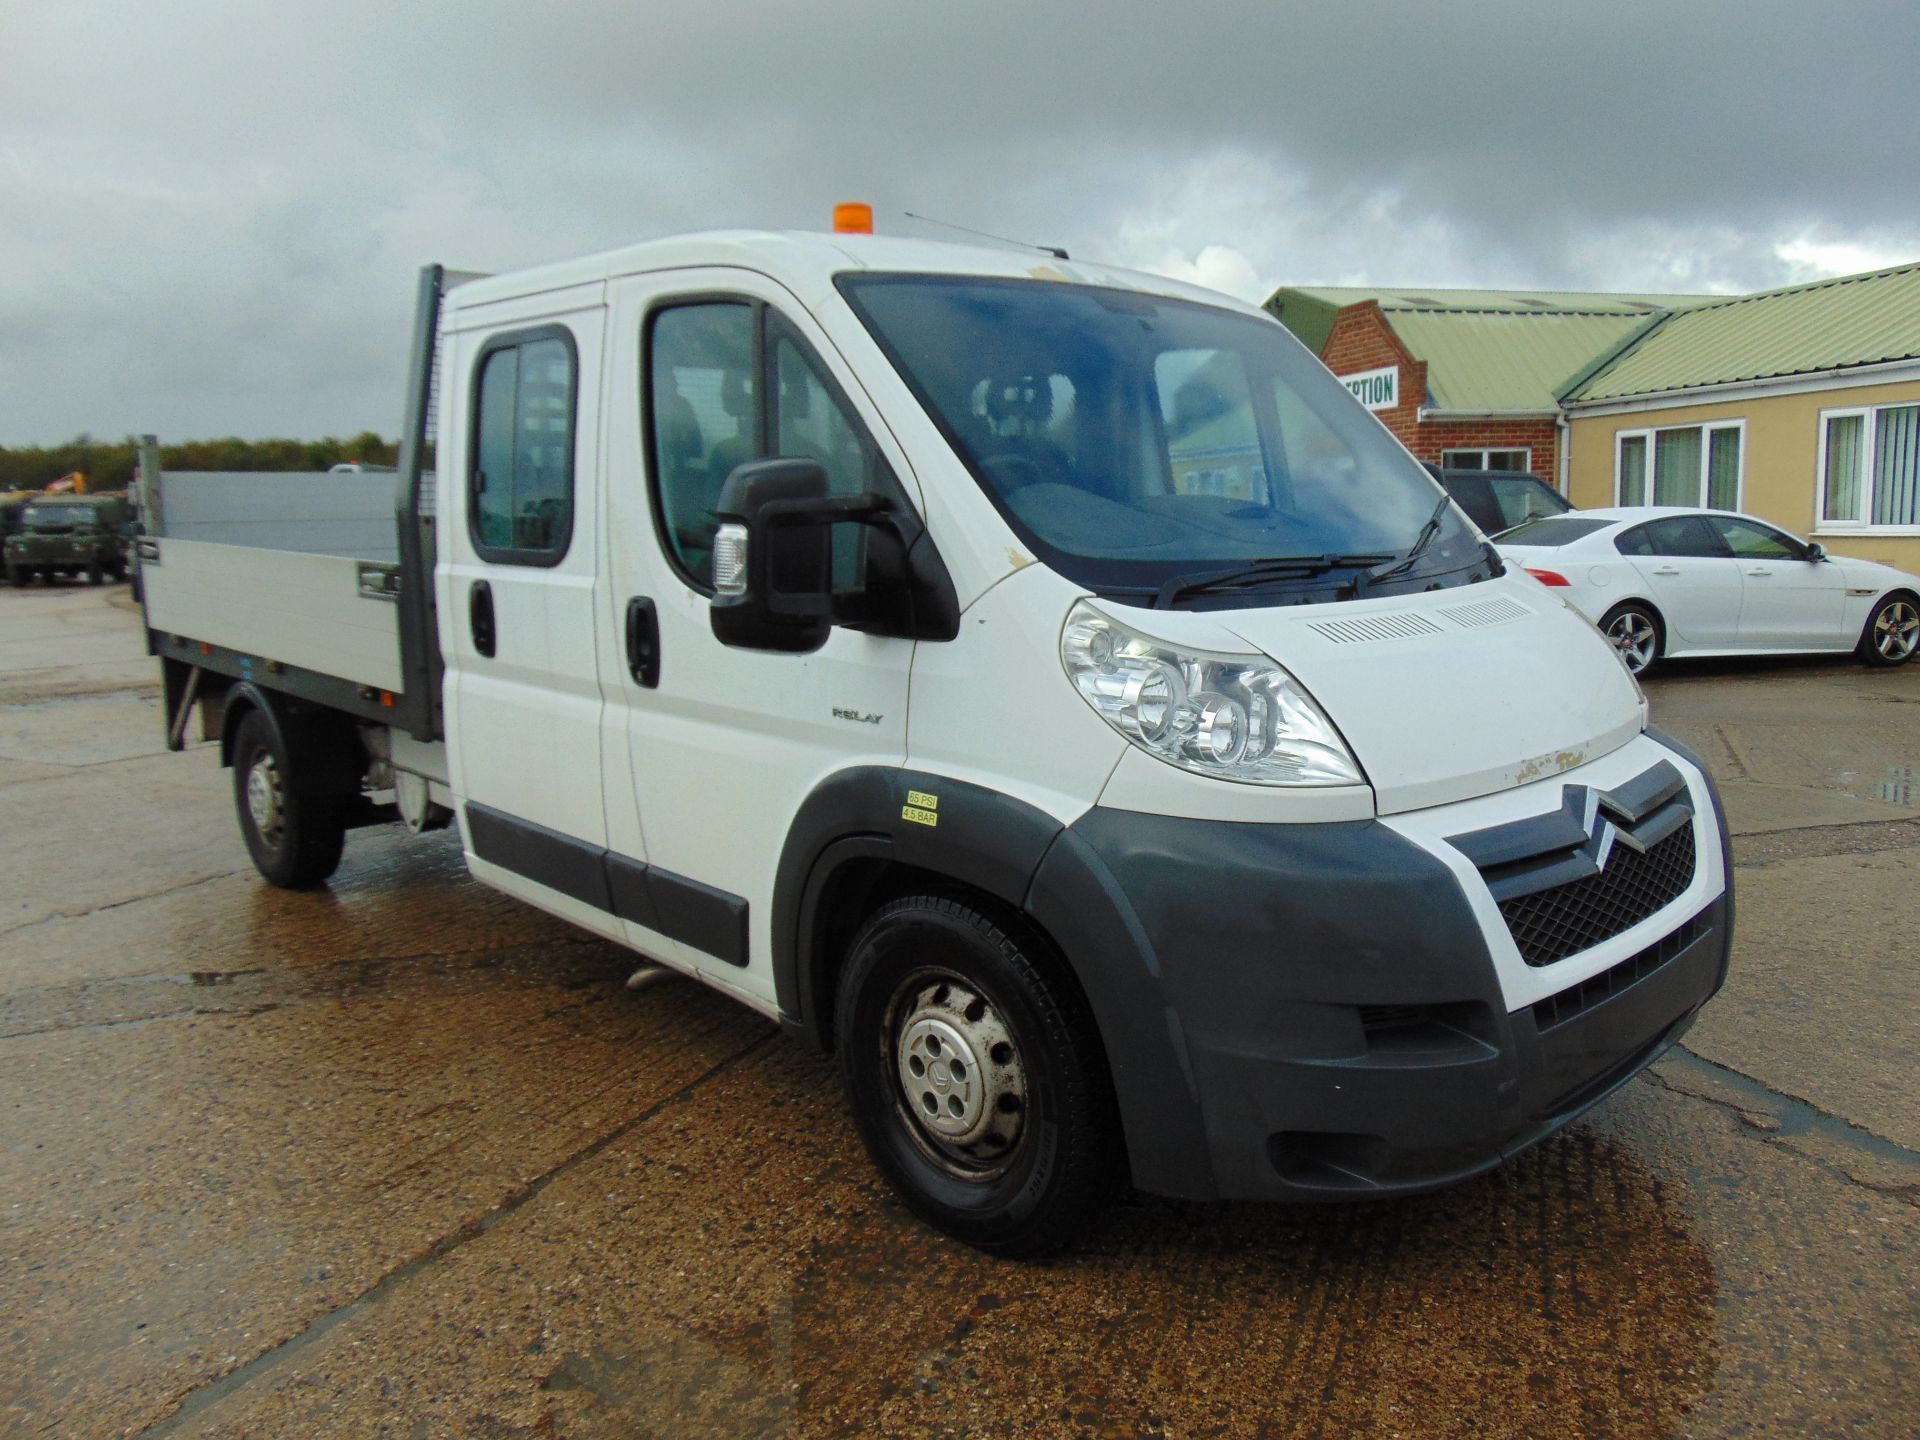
[(921, 808)]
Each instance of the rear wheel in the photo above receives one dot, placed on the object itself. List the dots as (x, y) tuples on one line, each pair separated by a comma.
[(94, 573), (295, 840), (17, 576), (1892, 633), (1635, 632), (976, 1076)]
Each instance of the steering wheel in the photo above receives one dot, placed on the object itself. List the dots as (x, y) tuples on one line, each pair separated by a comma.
[(1014, 472)]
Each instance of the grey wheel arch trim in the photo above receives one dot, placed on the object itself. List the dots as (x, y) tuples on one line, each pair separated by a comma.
[(1016, 854)]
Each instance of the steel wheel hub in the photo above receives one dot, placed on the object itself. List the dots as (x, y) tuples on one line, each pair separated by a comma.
[(1897, 631), (960, 1076), (263, 797), (1634, 637)]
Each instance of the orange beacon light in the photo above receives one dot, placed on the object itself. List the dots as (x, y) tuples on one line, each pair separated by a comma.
[(851, 217)]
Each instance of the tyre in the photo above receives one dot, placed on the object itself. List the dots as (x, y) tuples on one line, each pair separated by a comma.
[(1634, 630), (295, 840), (94, 573), (976, 1076), (1892, 633), (17, 576)]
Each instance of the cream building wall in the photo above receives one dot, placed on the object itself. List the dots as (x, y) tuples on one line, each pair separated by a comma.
[(1779, 459)]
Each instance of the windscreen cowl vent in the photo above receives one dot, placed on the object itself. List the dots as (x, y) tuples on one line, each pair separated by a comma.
[(1365, 629), (1486, 612)]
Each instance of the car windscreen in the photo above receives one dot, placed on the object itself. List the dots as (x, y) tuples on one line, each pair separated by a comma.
[(1134, 441), (1554, 531)]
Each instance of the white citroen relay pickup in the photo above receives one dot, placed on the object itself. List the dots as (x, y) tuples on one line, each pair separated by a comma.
[(1043, 685)]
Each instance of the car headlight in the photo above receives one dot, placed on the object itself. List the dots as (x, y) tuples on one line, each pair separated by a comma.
[(1234, 717)]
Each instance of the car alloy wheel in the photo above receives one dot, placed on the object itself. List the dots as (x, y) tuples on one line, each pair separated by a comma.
[(1635, 637), (1896, 631)]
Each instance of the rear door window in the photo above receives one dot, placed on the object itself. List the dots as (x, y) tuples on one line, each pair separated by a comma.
[(1683, 537), (520, 488)]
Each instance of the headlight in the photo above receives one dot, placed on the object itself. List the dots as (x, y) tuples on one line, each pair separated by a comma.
[(1235, 717)]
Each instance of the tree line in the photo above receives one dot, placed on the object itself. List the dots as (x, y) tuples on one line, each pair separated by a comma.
[(108, 464)]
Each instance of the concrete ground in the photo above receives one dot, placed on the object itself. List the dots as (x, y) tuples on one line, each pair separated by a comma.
[(402, 1157)]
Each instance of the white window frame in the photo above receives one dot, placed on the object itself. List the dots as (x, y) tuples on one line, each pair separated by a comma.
[(1706, 429), (1525, 452), (1869, 445)]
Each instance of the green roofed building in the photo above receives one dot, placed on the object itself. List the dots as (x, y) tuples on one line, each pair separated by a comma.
[(1468, 378), (1799, 405)]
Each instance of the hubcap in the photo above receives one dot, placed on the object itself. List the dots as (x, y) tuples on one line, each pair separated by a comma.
[(1897, 631), (263, 798), (1635, 638), (960, 1076)]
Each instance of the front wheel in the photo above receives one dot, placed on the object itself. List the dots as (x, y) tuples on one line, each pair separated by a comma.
[(295, 840), (976, 1076), (17, 576), (1635, 632), (94, 573), (1892, 633)]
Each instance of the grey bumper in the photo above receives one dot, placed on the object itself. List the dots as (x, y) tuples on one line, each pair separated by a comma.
[(1312, 1011)]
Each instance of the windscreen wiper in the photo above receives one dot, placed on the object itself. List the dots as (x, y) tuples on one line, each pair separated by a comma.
[(1424, 539), (1274, 567)]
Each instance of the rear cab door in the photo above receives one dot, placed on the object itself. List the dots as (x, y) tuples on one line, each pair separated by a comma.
[(518, 459)]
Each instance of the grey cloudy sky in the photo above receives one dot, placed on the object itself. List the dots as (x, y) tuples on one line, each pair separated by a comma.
[(211, 211)]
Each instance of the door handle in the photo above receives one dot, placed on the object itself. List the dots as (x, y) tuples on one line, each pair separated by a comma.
[(480, 617), (1761, 571), (1668, 570), (643, 641)]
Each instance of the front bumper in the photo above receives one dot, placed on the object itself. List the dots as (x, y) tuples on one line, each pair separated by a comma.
[(68, 552), (1350, 1013)]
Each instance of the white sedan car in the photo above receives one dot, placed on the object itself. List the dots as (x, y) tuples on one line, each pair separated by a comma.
[(1663, 581)]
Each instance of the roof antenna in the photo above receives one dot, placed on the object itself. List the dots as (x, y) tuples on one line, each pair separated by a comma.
[(1054, 250)]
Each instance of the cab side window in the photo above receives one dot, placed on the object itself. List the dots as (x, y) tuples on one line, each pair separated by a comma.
[(520, 487), (705, 420), (810, 422), (728, 382)]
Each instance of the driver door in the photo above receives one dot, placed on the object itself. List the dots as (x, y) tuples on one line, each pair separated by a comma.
[(1787, 601), (712, 369)]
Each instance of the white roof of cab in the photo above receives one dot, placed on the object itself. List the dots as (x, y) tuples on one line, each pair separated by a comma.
[(806, 261)]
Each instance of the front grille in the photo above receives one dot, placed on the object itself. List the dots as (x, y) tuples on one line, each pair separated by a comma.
[(1576, 1000), (1549, 925)]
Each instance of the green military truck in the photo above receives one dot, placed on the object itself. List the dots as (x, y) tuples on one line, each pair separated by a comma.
[(69, 535)]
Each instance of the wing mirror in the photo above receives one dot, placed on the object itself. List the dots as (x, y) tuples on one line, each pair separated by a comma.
[(1816, 553), (773, 563)]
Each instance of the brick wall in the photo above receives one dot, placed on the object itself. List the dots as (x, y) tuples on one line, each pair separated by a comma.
[(1362, 339), (1539, 436)]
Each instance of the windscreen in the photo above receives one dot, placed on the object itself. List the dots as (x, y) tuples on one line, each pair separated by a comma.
[(50, 517), (1132, 440), (1554, 531)]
